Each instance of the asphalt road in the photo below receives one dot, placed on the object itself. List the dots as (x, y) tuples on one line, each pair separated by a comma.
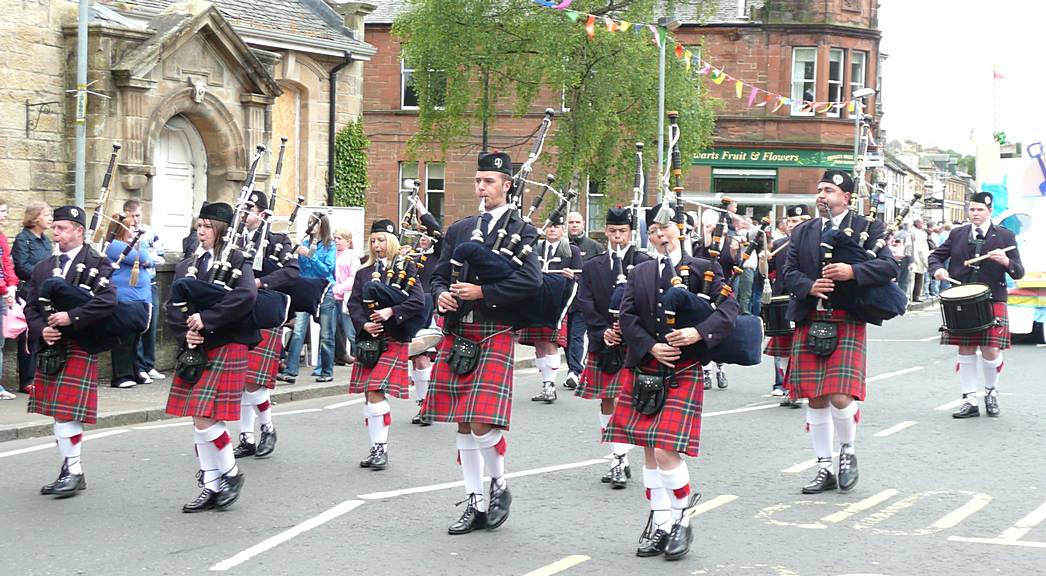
[(936, 495)]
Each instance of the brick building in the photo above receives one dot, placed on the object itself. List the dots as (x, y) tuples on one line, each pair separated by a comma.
[(819, 51)]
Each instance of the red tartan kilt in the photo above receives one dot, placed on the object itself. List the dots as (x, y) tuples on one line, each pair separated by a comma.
[(996, 336), (597, 384), (812, 376), (779, 346), (528, 336), (263, 361), (217, 394), (677, 427), (389, 375), (72, 394), (483, 395)]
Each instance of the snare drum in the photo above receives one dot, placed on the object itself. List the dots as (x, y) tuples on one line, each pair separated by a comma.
[(967, 308), (775, 316)]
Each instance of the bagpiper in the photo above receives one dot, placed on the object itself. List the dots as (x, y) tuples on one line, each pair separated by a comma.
[(780, 347), (66, 382), (604, 369), (478, 320), (980, 238)]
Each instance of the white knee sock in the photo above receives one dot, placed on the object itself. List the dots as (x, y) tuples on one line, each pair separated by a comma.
[(214, 450), (660, 505), (677, 487), (379, 420), (620, 450), (846, 425), (69, 435), (967, 368), (991, 370), (492, 446), (248, 414), (820, 422), (548, 372), (472, 468), (421, 382), (260, 399)]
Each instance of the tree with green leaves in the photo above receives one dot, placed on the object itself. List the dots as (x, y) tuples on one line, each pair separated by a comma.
[(350, 165), (495, 54)]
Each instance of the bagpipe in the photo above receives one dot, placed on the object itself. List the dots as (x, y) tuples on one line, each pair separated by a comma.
[(686, 304), (385, 291)]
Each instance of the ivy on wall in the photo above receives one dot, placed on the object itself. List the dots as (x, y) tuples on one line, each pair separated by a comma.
[(350, 165)]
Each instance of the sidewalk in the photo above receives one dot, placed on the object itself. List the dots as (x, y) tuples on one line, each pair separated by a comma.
[(146, 402)]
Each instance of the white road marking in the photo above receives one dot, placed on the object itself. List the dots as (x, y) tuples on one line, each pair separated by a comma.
[(270, 543), (892, 374), (739, 410), (302, 411), (1025, 524), (167, 425), (446, 485), (927, 339), (559, 566), (800, 466), (860, 506), (950, 405), (39, 447), (895, 428), (345, 403), (952, 519), (712, 504), (1001, 541)]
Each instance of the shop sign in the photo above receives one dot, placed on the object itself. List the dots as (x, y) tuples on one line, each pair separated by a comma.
[(742, 157)]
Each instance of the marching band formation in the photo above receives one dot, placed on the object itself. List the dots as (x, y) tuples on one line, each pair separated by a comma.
[(445, 310)]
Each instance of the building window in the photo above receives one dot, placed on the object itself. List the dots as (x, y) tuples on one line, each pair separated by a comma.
[(408, 173), (595, 208), (804, 80), (408, 97), (858, 72), (749, 187), (835, 79), (435, 179)]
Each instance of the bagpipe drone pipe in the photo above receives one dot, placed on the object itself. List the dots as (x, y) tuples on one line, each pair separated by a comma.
[(872, 304), (128, 318)]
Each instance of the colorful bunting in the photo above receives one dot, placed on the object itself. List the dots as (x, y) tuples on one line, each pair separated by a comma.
[(751, 95), (739, 88), (590, 26)]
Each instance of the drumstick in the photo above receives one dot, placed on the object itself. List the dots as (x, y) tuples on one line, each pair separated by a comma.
[(954, 281), (984, 257), (779, 248)]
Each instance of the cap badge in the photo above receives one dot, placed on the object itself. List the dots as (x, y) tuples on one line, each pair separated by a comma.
[(497, 163), (75, 213), (837, 179)]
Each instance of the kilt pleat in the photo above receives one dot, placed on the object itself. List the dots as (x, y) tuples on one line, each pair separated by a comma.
[(390, 375), (996, 335), (217, 393), (597, 384), (483, 395), (72, 394), (677, 427), (263, 361), (779, 346), (528, 336), (843, 372)]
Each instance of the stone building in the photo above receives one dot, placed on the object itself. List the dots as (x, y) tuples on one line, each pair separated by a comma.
[(188, 89), (819, 51)]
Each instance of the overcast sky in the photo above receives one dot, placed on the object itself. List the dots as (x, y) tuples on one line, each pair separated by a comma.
[(937, 81)]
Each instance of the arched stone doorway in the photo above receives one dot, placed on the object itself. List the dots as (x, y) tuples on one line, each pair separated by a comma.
[(180, 181)]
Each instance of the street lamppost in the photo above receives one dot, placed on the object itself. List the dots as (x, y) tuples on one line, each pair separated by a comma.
[(668, 24)]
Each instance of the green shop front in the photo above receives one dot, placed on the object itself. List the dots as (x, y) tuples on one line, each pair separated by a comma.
[(763, 181)]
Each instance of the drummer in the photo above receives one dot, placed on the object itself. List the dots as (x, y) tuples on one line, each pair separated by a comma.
[(980, 238), (780, 347)]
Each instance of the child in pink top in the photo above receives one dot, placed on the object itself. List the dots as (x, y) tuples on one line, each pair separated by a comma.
[(346, 264)]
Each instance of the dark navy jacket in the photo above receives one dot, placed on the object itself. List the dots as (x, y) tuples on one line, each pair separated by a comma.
[(593, 298), (97, 309), (413, 306), (959, 247), (223, 323)]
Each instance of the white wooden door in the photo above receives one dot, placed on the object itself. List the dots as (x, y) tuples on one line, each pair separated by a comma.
[(179, 186)]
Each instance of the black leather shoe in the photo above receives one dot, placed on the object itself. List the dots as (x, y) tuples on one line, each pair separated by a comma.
[(653, 540), (425, 421), (205, 501), (471, 519), (679, 541), (244, 448), (229, 490), (967, 410), (991, 404), (617, 477), (48, 489), (789, 403), (607, 477), (708, 379), (379, 459), (497, 511), (287, 378), (847, 471), (366, 462), (722, 382), (69, 485), (823, 482), (267, 443), (417, 418)]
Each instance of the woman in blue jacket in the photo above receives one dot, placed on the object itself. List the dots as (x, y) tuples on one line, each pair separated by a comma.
[(132, 285), (317, 256)]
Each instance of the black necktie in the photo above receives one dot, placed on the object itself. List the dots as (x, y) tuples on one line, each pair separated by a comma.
[(980, 235), (381, 268), (666, 273), (62, 261), (485, 218), (615, 264), (205, 260), (548, 253)]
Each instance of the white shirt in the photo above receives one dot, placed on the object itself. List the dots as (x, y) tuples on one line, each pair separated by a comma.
[(496, 214), (71, 256), (983, 228), (675, 256), (620, 256)]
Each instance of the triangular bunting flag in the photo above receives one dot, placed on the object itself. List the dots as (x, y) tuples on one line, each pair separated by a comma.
[(751, 96), (688, 56), (624, 26), (611, 26), (573, 15), (718, 76), (780, 102), (590, 26), (739, 88), (679, 50)]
